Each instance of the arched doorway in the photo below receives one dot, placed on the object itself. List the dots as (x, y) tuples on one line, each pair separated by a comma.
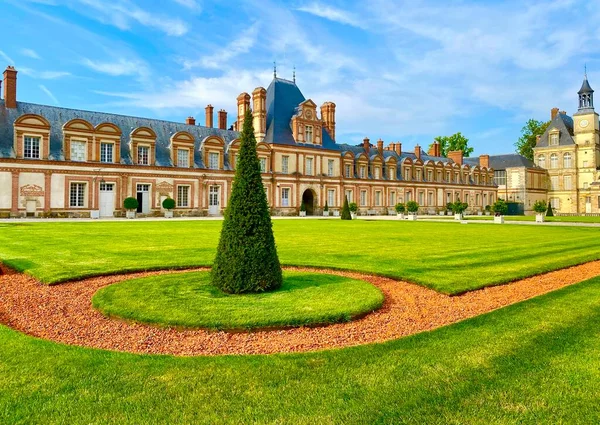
[(308, 198)]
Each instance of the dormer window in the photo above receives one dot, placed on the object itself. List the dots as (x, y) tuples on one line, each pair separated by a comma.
[(31, 147), (263, 165), (554, 139), (77, 150), (106, 152), (143, 155), (309, 134)]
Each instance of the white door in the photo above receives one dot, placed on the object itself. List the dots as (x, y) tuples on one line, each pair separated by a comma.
[(588, 204), (107, 199), (31, 207), (213, 200), (143, 196)]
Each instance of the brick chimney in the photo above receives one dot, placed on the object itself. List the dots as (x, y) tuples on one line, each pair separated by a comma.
[(418, 151), (190, 121), (456, 156), (366, 145), (380, 146), (209, 115), (537, 139), (10, 87), (243, 105), (328, 117), (434, 150), (223, 119), (553, 113), (484, 161), (398, 148), (563, 112), (259, 113)]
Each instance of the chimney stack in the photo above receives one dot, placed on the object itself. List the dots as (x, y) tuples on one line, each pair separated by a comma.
[(10, 87), (418, 151), (209, 116), (190, 121), (243, 105), (380, 146), (259, 113), (484, 161), (434, 150), (537, 139), (553, 113), (563, 112), (223, 119), (328, 117), (366, 145), (456, 156), (398, 148)]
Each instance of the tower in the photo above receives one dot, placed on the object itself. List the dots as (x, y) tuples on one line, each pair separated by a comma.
[(243, 105), (586, 96), (259, 113)]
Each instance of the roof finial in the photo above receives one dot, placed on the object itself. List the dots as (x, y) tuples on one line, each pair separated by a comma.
[(274, 69), (585, 70), (294, 74)]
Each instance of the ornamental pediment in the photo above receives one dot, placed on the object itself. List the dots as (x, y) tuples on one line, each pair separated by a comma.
[(164, 188), (31, 190)]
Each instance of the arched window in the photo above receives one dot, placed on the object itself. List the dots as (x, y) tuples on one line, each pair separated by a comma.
[(567, 160), (542, 161), (554, 161)]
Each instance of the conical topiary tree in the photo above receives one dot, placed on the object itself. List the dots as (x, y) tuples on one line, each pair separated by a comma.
[(549, 213), (246, 258), (346, 210)]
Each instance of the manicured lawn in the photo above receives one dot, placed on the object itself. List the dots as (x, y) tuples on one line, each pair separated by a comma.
[(534, 362), (448, 257), (555, 219), (190, 300)]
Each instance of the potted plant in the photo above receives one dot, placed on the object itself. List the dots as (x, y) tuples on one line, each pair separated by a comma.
[(131, 205), (539, 207), (500, 209), (302, 210), (353, 209), (488, 209), (458, 208), (412, 207), (326, 210), (400, 210), (168, 204)]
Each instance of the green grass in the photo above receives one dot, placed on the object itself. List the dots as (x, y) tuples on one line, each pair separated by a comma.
[(555, 219), (448, 257), (534, 362), (190, 300)]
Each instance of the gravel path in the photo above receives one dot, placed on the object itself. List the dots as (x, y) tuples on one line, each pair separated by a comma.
[(64, 313)]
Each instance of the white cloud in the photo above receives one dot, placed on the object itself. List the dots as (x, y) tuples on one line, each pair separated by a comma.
[(332, 14), (190, 4), (6, 58), (30, 53), (49, 94), (120, 67), (44, 75)]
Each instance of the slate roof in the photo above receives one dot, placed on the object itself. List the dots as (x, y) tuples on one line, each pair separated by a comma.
[(564, 124), (502, 162), (585, 87), (59, 116)]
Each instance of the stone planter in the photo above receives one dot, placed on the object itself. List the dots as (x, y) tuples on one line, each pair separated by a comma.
[(353, 215), (400, 216), (130, 214), (539, 218), (168, 214), (95, 214), (458, 216), (302, 213), (479, 213), (325, 213), (499, 219), (487, 213), (442, 213), (412, 217), (336, 213)]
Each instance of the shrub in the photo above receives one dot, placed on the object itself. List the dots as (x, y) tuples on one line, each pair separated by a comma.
[(346, 210), (400, 208), (353, 207), (247, 258), (168, 204), (540, 207), (326, 208), (131, 204), (450, 206), (500, 207), (412, 206), (488, 208), (302, 207), (458, 207), (549, 213)]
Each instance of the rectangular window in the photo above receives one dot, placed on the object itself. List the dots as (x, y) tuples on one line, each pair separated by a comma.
[(285, 197), (348, 171), (106, 152), (377, 172), (331, 197), (77, 195), (143, 155), (392, 174), (555, 202), (363, 198), (567, 182), (430, 198), (285, 164), (407, 174), (500, 177), (77, 151), (213, 160), (183, 196), (363, 171), (349, 195), (309, 134), (408, 196), (31, 148), (418, 175), (421, 198), (263, 165), (554, 139), (429, 175), (183, 158), (554, 182), (309, 166), (330, 167), (377, 198), (392, 199)]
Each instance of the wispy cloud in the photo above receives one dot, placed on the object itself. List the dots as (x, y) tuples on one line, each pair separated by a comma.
[(49, 94), (190, 4), (30, 53), (120, 67), (6, 58), (44, 75), (333, 14)]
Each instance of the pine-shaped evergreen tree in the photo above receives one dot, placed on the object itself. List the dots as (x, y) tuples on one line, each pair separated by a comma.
[(549, 212), (346, 210), (247, 258)]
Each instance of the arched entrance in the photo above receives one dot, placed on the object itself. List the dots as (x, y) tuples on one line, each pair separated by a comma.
[(308, 198)]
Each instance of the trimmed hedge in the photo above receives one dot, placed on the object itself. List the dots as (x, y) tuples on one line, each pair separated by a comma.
[(131, 203), (346, 210), (168, 204)]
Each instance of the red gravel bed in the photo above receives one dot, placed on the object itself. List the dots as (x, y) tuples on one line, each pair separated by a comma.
[(64, 313)]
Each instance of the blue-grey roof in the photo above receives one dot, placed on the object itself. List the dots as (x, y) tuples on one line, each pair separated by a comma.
[(59, 116), (585, 87), (564, 124), (283, 97), (502, 162)]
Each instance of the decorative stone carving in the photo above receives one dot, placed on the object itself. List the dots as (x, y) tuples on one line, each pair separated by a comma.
[(164, 188), (32, 190)]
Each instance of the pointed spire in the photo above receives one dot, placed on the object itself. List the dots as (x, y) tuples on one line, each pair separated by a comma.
[(274, 69), (586, 93), (294, 74)]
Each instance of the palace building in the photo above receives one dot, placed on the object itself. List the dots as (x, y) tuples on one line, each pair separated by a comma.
[(73, 163), (570, 152)]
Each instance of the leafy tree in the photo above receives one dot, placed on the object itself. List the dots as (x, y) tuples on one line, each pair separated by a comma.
[(456, 142), (346, 210), (540, 207), (458, 207), (247, 258), (528, 139), (500, 207), (549, 212), (412, 206), (400, 208)]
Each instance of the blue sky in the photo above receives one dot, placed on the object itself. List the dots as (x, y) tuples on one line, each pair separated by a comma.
[(398, 70)]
